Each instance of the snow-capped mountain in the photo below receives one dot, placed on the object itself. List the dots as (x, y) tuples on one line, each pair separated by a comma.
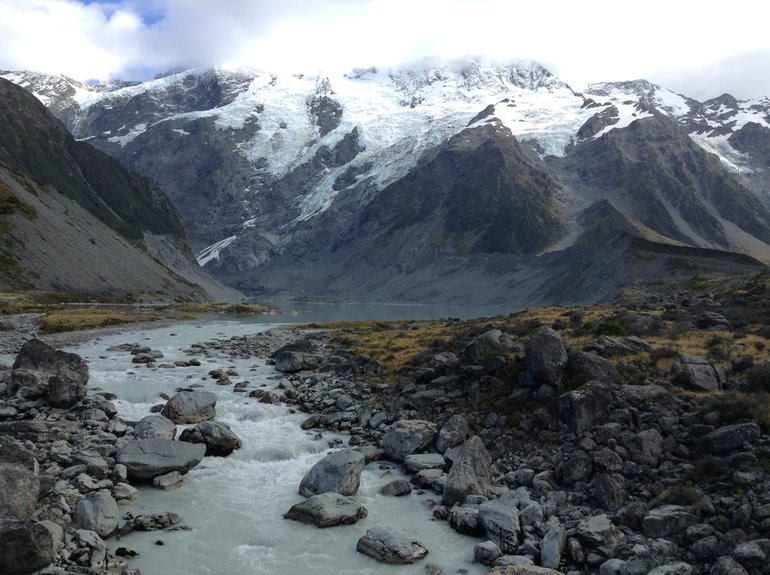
[(274, 174)]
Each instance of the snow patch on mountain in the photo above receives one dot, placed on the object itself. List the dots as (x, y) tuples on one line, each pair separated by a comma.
[(212, 252)]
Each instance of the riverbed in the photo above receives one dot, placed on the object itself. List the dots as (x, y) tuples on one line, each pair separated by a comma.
[(234, 506)]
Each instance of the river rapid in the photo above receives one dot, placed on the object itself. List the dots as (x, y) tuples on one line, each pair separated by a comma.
[(234, 505)]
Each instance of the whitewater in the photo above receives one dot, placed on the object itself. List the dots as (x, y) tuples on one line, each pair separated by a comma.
[(234, 505)]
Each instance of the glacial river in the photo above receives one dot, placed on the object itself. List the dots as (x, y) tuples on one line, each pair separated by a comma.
[(234, 505)]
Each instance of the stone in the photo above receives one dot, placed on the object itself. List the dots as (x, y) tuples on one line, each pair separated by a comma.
[(218, 438), (545, 356), (493, 342), (170, 480), (396, 488), (678, 568), (465, 520), (750, 555), (470, 473), (453, 433), (730, 437), (97, 512), (407, 436), (24, 547), (500, 520), (147, 458), (609, 489), (340, 471), (391, 546), (582, 408), (14, 451), (294, 361), (587, 366), (646, 447), (727, 566), (697, 373), (155, 425), (327, 510), (523, 570), (667, 520), (486, 552), (552, 546), (124, 491), (418, 461), (19, 492), (599, 531), (578, 467), (190, 407), (69, 372), (612, 567)]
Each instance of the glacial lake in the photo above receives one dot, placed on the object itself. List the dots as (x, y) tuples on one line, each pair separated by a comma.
[(234, 505)]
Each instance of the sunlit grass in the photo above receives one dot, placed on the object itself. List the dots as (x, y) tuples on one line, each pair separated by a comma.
[(75, 319)]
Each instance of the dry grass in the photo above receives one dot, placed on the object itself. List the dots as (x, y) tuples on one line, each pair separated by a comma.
[(74, 319)]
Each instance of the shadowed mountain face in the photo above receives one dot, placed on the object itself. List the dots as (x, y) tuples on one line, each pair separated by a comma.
[(472, 182), (75, 220)]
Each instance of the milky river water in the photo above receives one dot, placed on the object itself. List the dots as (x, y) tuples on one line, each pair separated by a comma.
[(234, 505)]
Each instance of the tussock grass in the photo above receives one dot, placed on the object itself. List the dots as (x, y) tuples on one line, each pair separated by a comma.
[(74, 319)]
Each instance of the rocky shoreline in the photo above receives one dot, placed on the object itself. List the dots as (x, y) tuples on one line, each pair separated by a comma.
[(601, 477)]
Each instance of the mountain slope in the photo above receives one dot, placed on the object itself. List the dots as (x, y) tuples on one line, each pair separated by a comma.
[(423, 182), (77, 221)]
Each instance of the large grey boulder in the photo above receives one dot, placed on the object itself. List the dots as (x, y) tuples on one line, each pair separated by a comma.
[(730, 437), (390, 545), (340, 471), (465, 520), (500, 520), (646, 447), (24, 547), (69, 372), (416, 462), (486, 552), (97, 512), (147, 458), (19, 491), (695, 372), (470, 473), (218, 438), (599, 531), (155, 425), (552, 546), (190, 407), (293, 361), (582, 408), (578, 467), (407, 436), (609, 489), (587, 366), (523, 570), (453, 433), (493, 342), (667, 520), (327, 510), (546, 357), (727, 566)]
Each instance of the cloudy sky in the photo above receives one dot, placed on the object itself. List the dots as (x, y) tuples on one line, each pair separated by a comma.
[(701, 49)]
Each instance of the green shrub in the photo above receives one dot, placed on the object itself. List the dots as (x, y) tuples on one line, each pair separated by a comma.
[(609, 327)]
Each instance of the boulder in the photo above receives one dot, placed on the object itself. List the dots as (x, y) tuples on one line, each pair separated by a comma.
[(730, 437), (523, 570), (155, 425), (218, 438), (552, 546), (646, 447), (396, 488), (147, 458), (697, 373), (407, 436), (578, 467), (190, 407), (24, 547), (582, 408), (609, 490), (493, 342), (599, 531), (500, 520), (327, 510), (727, 566), (465, 520), (97, 512), (470, 473), (390, 545), (19, 492), (486, 552), (293, 361), (546, 357), (69, 372), (587, 366), (14, 451), (170, 480), (340, 471), (453, 433), (667, 520), (419, 461)]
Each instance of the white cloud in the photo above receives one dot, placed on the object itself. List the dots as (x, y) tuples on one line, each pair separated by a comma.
[(581, 42)]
